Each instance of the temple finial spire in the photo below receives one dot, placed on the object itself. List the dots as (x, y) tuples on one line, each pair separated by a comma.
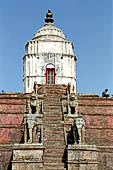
[(49, 17)]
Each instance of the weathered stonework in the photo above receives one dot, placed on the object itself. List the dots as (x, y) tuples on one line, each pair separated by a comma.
[(27, 156), (82, 157)]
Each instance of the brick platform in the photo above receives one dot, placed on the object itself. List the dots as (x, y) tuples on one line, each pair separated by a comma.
[(96, 111)]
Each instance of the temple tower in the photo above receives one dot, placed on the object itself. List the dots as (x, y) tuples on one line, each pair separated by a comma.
[(49, 58)]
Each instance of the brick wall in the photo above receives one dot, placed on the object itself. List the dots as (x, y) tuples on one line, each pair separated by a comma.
[(12, 108), (97, 112), (98, 115)]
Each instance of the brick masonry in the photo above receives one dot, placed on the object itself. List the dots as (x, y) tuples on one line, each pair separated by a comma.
[(12, 108), (97, 112)]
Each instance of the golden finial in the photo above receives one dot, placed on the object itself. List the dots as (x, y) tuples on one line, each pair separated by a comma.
[(49, 17)]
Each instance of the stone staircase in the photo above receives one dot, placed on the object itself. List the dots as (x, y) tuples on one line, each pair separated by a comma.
[(53, 129)]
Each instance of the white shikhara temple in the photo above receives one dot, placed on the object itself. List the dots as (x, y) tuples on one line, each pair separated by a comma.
[(49, 58)]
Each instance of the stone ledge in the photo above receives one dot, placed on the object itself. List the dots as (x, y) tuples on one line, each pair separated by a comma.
[(28, 161), (95, 104), (82, 162), (12, 113), (19, 126), (37, 115), (70, 115), (99, 127), (97, 114), (13, 103), (28, 146), (7, 95), (105, 147), (82, 147)]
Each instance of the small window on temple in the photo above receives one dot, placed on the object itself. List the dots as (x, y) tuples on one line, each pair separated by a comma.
[(72, 110)]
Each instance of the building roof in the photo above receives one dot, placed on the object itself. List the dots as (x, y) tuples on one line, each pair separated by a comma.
[(49, 30)]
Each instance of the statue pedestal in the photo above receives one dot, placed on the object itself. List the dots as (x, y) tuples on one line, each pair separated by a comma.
[(27, 157), (82, 157)]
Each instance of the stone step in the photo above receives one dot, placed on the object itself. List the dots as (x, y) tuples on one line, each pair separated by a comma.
[(54, 147), (52, 119), (55, 165), (56, 140), (56, 133), (52, 112), (53, 155), (52, 107), (50, 97), (53, 125), (54, 143), (54, 150), (54, 102), (50, 132), (54, 129), (53, 159), (53, 132), (52, 139), (54, 136), (55, 168), (54, 90)]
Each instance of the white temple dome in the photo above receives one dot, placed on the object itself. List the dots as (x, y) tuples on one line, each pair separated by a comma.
[(49, 32)]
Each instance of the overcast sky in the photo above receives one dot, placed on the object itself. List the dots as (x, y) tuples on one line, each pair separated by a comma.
[(87, 23)]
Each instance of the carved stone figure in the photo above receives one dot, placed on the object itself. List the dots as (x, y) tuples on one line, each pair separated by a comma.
[(73, 103), (34, 108), (75, 134), (31, 122), (30, 125), (34, 105), (29, 106), (79, 130), (70, 104)]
